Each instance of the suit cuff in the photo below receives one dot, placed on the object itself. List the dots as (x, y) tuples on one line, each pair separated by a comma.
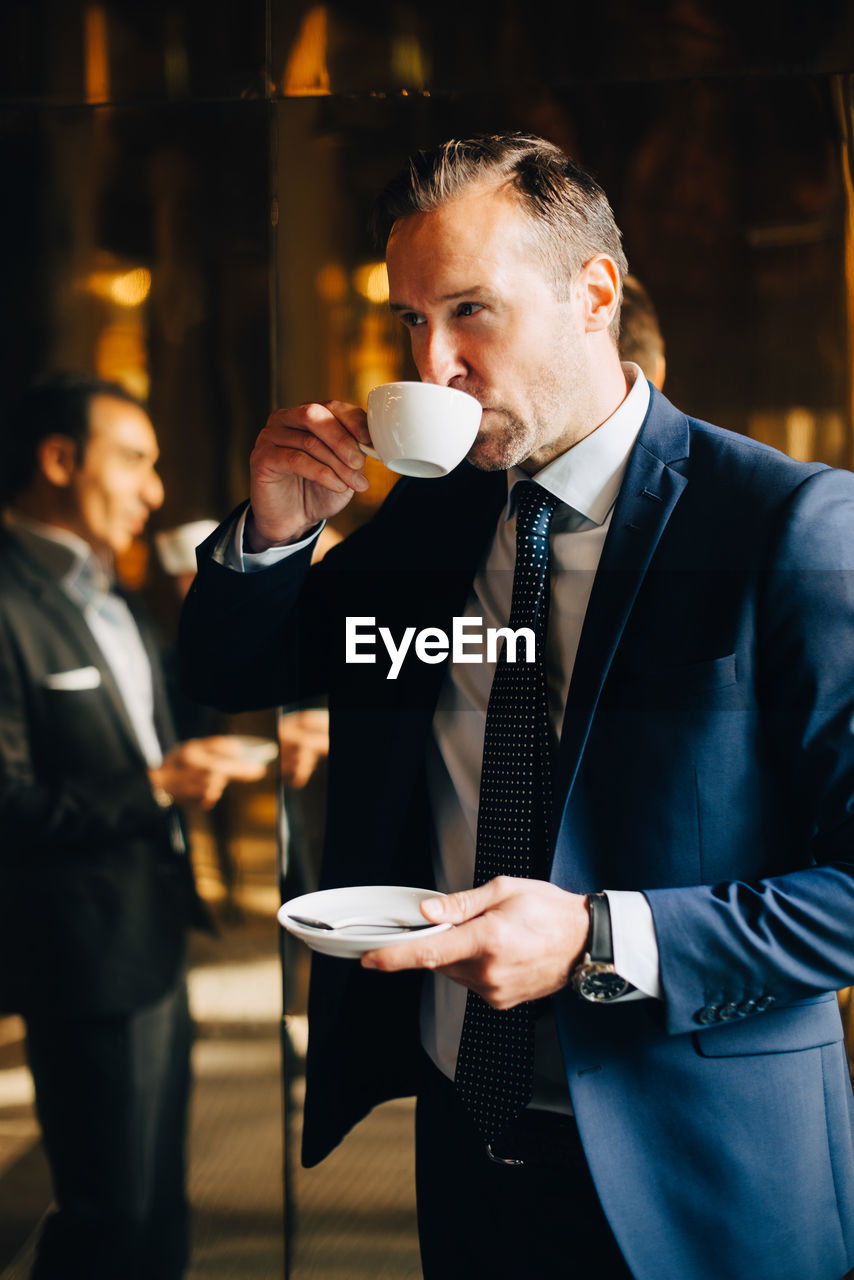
[(230, 553), (635, 945)]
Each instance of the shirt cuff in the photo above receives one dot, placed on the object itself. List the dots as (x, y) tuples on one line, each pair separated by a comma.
[(635, 944), (229, 550)]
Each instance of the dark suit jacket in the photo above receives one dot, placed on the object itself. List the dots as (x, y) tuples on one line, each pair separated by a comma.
[(706, 759), (94, 902)]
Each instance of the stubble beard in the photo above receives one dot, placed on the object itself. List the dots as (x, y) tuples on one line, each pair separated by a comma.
[(505, 445), (510, 439), (556, 391)]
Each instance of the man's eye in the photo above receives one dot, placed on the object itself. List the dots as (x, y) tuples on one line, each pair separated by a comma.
[(411, 319), (469, 308)]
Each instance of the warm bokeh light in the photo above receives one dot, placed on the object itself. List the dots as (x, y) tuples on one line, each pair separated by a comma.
[(127, 288), (371, 281), (132, 565), (96, 53), (132, 288), (307, 73), (373, 359), (802, 432), (410, 62), (331, 282), (121, 355)]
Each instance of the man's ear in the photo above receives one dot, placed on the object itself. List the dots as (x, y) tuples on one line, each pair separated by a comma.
[(57, 457), (601, 281)]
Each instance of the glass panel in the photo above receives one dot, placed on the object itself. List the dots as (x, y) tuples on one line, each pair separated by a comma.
[(395, 46), (110, 51), (137, 247), (731, 201)]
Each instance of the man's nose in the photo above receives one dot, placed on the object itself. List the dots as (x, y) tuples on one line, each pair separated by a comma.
[(439, 359), (154, 493)]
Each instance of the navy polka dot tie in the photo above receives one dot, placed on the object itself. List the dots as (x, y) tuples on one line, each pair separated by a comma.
[(495, 1063)]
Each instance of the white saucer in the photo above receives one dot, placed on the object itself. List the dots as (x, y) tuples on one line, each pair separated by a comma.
[(375, 900)]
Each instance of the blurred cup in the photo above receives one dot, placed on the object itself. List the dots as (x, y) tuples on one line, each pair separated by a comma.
[(176, 547), (421, 429), (258, 750)]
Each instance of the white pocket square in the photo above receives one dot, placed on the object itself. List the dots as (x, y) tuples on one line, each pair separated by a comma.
[(79, 678)]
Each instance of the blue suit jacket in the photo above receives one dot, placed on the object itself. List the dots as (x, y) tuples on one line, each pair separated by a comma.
[(706, 758)]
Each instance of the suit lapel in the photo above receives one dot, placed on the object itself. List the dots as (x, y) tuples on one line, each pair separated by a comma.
[(70, 622), (463, 537), (650, 490)]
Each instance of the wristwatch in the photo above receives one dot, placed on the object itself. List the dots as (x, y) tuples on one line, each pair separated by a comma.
[(594, 978)]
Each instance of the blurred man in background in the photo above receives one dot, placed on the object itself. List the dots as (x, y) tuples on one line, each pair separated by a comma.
[(641, 340), (96, 888)]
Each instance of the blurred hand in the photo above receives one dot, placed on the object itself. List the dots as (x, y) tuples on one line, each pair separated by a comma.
[(303, 742), (305, 467), (514, 940), (199, 770)]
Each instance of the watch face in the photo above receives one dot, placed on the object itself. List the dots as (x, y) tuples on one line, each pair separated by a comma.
[(599, 982)]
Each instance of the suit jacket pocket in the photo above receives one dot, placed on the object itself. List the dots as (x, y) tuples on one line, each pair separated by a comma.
[(671, 686), (809, 1024), (694, 677)]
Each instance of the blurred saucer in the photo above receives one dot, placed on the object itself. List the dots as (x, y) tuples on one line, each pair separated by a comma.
[(378, 901), (258, 750)]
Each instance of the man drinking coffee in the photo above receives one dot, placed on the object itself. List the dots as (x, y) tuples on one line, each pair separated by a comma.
[(627, 1051)]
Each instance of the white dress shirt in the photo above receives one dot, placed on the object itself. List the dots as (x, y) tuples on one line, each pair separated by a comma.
[(586, 479)]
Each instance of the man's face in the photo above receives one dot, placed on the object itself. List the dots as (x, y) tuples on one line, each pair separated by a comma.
[(483, 317), (114, 487)]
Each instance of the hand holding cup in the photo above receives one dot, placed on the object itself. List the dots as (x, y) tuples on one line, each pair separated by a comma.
[(305, 467), (308, 462), (197, 771)]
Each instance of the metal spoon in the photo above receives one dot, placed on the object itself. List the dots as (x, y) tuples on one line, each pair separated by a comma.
[(360, 922)]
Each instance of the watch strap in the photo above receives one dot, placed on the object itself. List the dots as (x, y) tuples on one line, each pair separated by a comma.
[(601, 944), (595, 978)]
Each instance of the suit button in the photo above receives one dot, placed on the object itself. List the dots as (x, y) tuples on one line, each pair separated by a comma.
[(710, 1013), (765, 1003), (746, 1007), (728, 1011)]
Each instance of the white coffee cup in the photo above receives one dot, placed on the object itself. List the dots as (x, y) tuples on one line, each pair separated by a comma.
[(421, 429)]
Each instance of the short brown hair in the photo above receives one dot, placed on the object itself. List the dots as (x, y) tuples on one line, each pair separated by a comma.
[(569, 212)]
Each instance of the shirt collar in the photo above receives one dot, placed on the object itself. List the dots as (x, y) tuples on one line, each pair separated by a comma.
[(63, 554), (588, 476)]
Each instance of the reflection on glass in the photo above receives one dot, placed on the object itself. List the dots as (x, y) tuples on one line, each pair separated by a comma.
[(108, 51), (306, 70), (95, 54), (704, 177)]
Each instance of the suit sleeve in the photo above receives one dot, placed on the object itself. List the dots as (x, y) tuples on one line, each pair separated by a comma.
[(250, 640), (736, 948), (274, 636)]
